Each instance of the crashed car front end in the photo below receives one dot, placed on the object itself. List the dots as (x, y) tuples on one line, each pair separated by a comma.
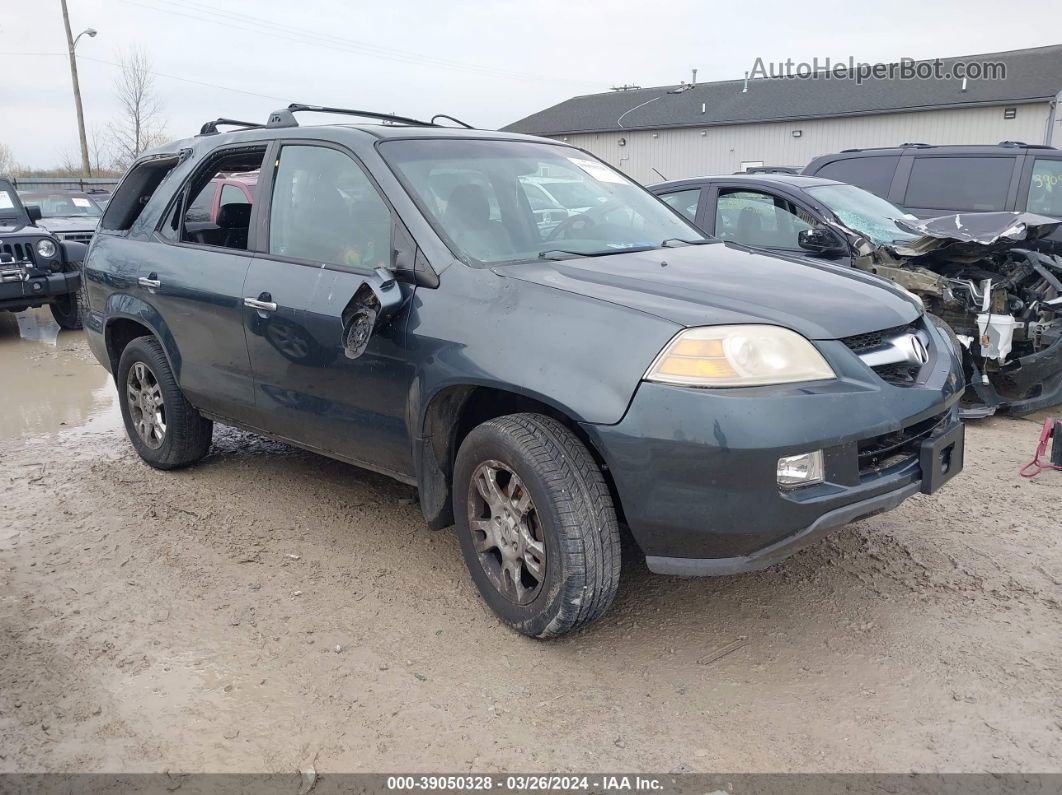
[(982, 275), (33, 271)]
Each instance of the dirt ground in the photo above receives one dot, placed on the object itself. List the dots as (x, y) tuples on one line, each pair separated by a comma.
[(270, 607)]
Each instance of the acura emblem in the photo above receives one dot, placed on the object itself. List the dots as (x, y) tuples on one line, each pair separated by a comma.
[(921, 355)]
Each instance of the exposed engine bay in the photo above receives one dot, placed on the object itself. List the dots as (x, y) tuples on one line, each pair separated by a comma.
[(982, 275)]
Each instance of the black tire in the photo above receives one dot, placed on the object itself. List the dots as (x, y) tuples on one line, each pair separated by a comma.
[(571, 514), (187, 434), (68, 310)]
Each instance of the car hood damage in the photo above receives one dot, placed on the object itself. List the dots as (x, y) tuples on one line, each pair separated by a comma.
[(981, 273)]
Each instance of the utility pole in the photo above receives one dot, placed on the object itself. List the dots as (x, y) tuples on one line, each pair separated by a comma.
[(71, 43)]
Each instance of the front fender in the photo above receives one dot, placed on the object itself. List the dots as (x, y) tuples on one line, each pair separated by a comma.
[(73, 251)]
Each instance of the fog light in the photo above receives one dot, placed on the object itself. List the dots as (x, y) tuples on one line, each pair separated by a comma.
[(800, 470)]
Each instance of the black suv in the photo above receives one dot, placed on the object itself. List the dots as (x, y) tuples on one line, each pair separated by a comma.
[(387, 297), (36, 268), (930, 181)]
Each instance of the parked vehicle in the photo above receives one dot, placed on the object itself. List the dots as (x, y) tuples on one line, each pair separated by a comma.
[(36, 267), (408, 315), (977, 272), (70, 215), (929, 181)]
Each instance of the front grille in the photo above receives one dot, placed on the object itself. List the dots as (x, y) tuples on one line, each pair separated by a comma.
[(897, 373), (861, 343), (22, 252), (889, 449), (79, 237)]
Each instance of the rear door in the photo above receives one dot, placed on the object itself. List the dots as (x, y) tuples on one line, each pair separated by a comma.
[(195, 283), (326, 230)]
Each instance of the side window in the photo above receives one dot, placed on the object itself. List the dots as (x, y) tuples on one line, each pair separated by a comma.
[(959, 183), (1045, 187), (134, 192), (760, 219), (202, 206), (325, 209), (685, 201), (230, 226), (230, 194), (869, 173)]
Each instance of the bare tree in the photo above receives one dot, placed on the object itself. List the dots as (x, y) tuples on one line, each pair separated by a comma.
[(7, 160), (141, 125), (99, 153)]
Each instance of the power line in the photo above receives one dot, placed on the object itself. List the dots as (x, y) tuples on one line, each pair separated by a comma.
[(249, 24)]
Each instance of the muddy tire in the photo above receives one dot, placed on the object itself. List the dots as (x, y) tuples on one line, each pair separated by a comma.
[(164, 428), (68, 310), (536, 524)]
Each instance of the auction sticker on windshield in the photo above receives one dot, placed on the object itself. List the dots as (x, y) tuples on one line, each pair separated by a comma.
[(597, 171)]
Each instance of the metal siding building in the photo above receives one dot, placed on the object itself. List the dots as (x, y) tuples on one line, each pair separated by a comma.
[(673, 132)]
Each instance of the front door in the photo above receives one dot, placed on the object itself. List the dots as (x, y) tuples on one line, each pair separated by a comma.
[(328, 231)]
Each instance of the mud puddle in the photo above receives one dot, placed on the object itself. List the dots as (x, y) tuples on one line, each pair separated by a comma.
[(49, 382)]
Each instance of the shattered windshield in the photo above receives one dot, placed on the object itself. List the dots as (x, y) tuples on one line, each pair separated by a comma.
[(486, 198), (864, 213)]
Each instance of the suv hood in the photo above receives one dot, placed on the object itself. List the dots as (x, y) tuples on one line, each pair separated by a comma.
[(59, 223), (719, 283)]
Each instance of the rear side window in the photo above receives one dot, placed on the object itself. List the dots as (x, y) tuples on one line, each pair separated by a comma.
[(1045, 187), (869, 173), (959, 183), (135, 192), (685, 201)]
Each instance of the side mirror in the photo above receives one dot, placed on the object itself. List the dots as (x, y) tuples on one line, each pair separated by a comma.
[(378, 298), (34, 213), (821, 240)]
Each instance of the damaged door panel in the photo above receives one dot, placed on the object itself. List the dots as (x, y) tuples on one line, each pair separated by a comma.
[(1003, 300)]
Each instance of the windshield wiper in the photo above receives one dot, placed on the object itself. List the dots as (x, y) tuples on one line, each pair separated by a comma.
[(672, 240), (550, 253)]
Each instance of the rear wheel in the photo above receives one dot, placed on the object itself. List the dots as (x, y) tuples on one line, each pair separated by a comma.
[(164, 428), (536, 524), (68, 310)]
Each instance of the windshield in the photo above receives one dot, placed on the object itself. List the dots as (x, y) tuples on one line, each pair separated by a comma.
[(483, 195), (863, 212), (62, 205)]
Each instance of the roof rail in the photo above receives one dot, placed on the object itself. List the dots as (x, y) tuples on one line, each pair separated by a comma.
[(285, 117), (211, 127), (451, 118), (907, 145)]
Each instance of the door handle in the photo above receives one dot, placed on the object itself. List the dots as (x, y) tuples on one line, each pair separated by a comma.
[(259, 304), (151, 281)]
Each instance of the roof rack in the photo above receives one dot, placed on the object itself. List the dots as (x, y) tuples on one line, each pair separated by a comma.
[(451, 118), (285, 117), (211, 127)]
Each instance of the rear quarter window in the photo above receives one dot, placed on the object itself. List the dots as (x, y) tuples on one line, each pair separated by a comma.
[(959, 183), (869, 173), (134, 192), (1045, 187)]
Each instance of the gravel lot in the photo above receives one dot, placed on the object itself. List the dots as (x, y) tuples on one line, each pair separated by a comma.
[(270, 607)]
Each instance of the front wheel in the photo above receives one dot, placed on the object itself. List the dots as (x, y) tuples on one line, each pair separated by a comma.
[(165, 429), (536, 524)]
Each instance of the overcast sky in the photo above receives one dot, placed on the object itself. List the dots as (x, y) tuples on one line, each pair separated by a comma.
[(489, 63)]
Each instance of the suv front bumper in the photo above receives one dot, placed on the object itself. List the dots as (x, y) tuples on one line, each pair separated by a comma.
[(23, 285), (695, 470)]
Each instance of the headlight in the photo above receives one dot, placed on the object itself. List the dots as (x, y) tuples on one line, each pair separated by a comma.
[(46, 248), (716, 356)]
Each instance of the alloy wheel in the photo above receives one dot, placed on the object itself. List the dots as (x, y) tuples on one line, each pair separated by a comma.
[(506, 532), (146, 407)]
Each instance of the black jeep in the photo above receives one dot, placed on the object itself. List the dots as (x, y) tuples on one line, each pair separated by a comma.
[(37, 268)]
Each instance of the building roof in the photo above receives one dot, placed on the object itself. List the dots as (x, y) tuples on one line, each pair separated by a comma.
[(1031, 75)]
